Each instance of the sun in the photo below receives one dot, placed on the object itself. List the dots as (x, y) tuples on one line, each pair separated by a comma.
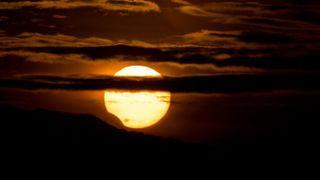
[(137, 109), (139, 71)]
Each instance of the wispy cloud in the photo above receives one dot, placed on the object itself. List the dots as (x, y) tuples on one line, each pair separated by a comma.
[(241, 8), (120, 5), (57, 16), (196, 11), (263, 50), (43, 57), (248, 38), (212, 38), (44, 40), (282, 14), (182, 2)]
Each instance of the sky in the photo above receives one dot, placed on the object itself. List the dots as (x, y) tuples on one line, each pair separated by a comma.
[(231, 62)]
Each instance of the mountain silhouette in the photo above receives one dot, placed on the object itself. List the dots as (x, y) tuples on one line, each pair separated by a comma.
[(51, 133), (52, 128)]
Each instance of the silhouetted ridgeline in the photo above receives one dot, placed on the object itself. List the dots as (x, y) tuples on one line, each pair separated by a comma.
[(60, 129), (51, 133)]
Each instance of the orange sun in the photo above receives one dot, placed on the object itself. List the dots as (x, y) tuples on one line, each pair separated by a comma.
[(137, 109)]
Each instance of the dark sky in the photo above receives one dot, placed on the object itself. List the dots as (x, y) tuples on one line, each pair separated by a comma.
[(232, 61)]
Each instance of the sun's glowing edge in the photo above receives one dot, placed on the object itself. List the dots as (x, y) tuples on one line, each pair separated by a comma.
[(140, 71)]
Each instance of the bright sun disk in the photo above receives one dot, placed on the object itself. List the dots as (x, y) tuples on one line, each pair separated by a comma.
[(137, 109)]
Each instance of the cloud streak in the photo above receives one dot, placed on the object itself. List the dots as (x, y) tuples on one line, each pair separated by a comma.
[(43, 40), (265, 50), (120, 5), (235, 83), (285, 15)]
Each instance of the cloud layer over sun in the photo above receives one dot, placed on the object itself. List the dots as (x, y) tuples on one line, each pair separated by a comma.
[(224, 84)]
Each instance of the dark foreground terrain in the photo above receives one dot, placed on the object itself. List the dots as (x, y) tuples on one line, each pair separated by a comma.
[(49, 134)]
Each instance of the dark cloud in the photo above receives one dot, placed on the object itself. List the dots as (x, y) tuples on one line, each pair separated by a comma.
[(250, 49), (266, 38), (271, 22), (201, 84), (3, 18), (292, 58)]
